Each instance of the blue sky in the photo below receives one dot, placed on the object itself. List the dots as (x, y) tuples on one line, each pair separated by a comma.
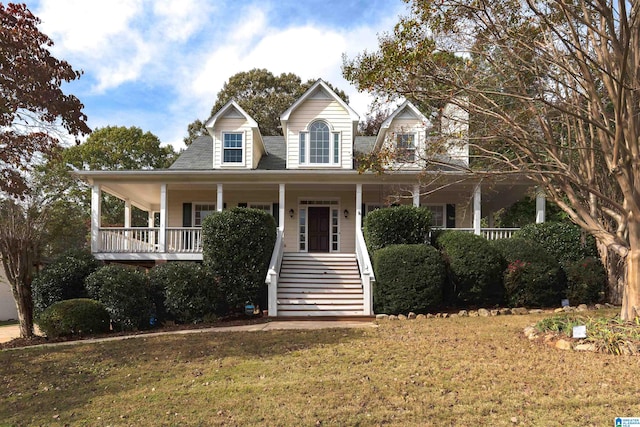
[(158, 64)]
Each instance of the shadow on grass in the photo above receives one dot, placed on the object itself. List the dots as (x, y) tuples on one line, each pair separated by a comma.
[(38, 384)]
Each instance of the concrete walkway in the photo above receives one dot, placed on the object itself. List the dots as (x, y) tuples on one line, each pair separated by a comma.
[(7, 333)]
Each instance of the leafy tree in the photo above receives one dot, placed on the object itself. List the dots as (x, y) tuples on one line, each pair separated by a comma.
[(370, 126), (262, 95), (32, 105), (551, 89), (110, 148), (33, 111)]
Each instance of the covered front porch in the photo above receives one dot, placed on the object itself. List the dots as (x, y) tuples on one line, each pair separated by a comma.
[(313, 216)]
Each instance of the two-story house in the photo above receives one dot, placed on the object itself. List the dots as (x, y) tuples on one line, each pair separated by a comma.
[(308, 181)]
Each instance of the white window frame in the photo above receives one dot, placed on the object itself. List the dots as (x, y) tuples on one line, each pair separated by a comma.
[(193, 214), (370, 207), (241, 149), (401, 153), (304, 147), (442, 206), (262, 206)]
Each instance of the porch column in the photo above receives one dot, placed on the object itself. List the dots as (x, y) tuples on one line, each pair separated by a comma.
[(163, 219), (219, 200), (477, 209), (541, 209), (281, 207), (127, 213), (150, 221), (416, 195), (96, 214), (358, 207)]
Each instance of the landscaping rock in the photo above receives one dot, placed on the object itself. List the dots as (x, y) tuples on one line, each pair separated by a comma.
[(536, 311), (483, 312), (559, 310), (585, 347), (452, 315), (569, 309), (608, 305), (519, 311), (393, 317), (411, 315), (599, 306), (504, 311), (382, 317), (563, 344), (430, 316), (495, 312), (530, 332), (445, 315), (402, 317), (582, 307), (421, 317), (463, 313), (473, 313)]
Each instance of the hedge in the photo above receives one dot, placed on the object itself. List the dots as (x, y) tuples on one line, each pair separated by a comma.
[(474, 268), (565, 241), (237, 247), (397, 225), (533, 277), (80, 316), (126, 294), (63, 279), (408, 278)]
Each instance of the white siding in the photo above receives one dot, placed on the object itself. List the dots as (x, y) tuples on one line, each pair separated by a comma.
[(405, 124), (455, 128), (338, 119), (8, 309), (232, 124)]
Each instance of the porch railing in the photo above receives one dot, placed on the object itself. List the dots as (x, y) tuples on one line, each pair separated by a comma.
[(491, 233), (145, 239), (184, 240), (274, 271), (134, 239), (366, 272)]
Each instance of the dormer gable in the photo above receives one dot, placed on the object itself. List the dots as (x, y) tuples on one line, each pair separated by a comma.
[(319, 129), (237, 141), (408, 133)]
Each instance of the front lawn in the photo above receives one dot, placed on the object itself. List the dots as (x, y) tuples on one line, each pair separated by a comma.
[(470, 371)]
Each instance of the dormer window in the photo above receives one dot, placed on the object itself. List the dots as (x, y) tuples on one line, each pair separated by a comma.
[(232, 148), (406, 147), (319, 146)]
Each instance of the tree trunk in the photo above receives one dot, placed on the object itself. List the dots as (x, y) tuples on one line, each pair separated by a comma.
[(631, 299), (616, 269), (24, 304)]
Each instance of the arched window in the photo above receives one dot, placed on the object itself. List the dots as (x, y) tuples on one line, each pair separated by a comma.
[(319, 142)]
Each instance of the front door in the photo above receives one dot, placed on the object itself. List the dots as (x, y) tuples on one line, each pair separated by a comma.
[(318, 233)]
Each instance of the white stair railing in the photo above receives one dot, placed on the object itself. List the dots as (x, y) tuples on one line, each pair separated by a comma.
[(366, 273), (272, 275)]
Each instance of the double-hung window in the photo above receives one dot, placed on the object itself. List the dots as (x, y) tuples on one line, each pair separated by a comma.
[(319, 145), (438, 218), (232, 148), (406, 147), (201, 211)]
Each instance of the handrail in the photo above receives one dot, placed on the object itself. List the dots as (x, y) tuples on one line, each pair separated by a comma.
[(366, 272), (274, 270)]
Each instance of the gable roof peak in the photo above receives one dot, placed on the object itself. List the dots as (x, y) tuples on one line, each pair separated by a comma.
[(320, 89), (229, 107)]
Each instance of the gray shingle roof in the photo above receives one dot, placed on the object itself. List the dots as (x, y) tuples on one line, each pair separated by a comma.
[(199, 155)]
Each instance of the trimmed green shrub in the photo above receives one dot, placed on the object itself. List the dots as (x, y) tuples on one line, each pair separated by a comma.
[(63, 279), (408, 278), (237, 247), (564, 241), (79, 316), (125, 293), (586, 281), (190, 292), (397, 225), (474, 268), (523, 212), (533, 277)]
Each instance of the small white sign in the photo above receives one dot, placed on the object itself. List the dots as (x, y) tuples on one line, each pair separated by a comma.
[(564, 302), (580, 331)]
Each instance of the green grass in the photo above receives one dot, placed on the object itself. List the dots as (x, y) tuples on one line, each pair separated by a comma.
[(8, 322), (462, 371)]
